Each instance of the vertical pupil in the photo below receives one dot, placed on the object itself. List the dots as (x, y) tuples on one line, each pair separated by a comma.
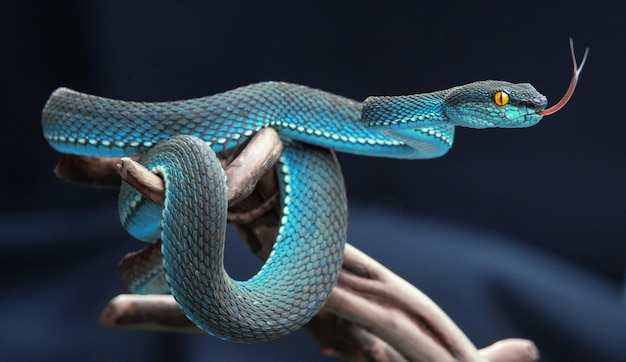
[(500, 98)]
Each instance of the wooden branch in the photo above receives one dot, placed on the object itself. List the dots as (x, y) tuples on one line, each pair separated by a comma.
[(372, 296), (371, 315), (242, 172), (244, 168), (97, 172), (152, 312), (511, 349), (152, 186), (339, 337), (344, 339), (254, 160)]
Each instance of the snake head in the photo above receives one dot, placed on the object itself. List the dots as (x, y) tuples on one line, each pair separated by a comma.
[(494, 104)]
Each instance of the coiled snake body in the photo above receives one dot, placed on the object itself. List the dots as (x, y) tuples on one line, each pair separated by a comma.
[(179, 140)]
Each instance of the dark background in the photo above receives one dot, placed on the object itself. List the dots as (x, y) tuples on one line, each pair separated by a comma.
[(515, 233)]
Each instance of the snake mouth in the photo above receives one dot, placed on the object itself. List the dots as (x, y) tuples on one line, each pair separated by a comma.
[(533, 112), (523, 115), (530, 111), (535, 105)]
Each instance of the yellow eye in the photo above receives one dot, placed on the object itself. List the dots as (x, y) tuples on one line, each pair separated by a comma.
[(501, 98)]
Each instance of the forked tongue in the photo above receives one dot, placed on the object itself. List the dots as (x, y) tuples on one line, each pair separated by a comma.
[(572, 84)]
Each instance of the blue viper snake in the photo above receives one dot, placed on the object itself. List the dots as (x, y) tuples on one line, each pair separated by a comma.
[(182, 141)]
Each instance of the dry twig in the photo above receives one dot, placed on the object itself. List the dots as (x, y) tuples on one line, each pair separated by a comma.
[(371, 315)]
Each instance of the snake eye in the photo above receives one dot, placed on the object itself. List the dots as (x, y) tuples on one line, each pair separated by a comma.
[(501, 98)]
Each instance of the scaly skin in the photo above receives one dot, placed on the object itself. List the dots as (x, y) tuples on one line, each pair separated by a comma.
[(179, 140)]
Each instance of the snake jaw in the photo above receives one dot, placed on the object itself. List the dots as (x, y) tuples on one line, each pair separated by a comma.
[(526, 113), (530, 119)]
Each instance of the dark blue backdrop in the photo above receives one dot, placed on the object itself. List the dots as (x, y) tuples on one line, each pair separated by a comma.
[(515, 233)]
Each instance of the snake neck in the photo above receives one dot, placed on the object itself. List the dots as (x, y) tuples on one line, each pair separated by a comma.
[(412, 111), (419, 121)]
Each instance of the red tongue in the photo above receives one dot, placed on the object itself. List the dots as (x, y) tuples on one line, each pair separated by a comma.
[(572, 84)]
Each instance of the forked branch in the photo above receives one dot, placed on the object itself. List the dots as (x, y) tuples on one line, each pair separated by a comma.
[(371, 315)]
